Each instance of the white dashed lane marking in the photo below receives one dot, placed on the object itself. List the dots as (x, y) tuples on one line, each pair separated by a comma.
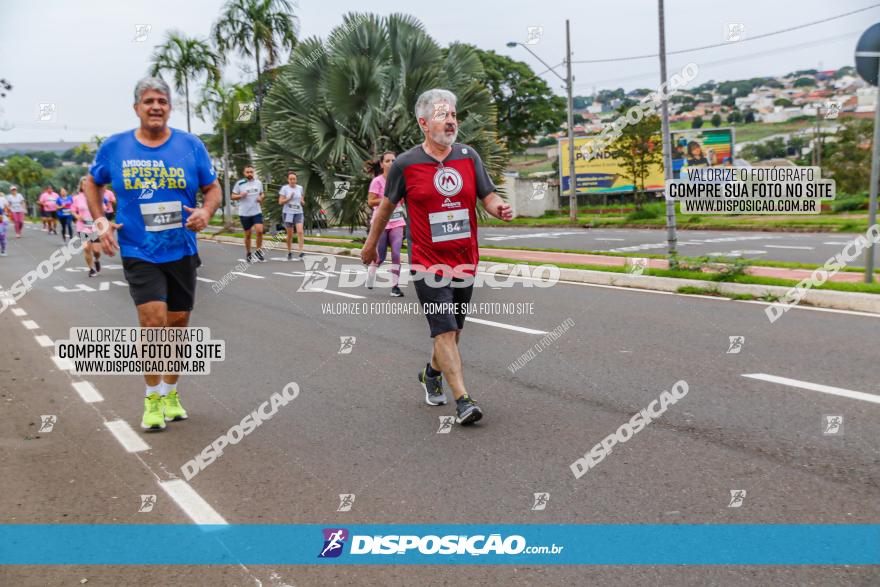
[(193, 505), (839, 391), (505, 326), (44, 341), (62, 364), (247, 275), (30, 324), (87, 392), (126, 436)]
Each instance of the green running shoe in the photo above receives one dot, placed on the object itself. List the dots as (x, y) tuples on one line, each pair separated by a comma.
[(173, 409), (153, 418)]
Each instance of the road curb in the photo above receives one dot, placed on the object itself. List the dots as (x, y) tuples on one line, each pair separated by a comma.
[(836, 300)]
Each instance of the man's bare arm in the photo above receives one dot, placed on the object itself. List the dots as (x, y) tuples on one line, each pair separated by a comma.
[(95, 197), (494, 205)]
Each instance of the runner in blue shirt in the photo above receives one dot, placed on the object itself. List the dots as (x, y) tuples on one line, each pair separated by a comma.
[(156, 172)]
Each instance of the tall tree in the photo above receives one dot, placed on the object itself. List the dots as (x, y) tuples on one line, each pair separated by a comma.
[(525, 103), (335, 105), (258, 30), (639, 148), (186, 59), (849, 157), (223, 106), (24, 172)]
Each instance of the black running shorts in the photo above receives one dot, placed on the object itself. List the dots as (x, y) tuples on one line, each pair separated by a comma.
[(173, 283), (445, 306), (248, 222)]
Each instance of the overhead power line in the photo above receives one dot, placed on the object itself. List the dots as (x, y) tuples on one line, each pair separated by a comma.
[(738, 58), (729, 43)]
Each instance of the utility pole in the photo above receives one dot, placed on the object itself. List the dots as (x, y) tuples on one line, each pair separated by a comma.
[(227, 208), (671, 238), (572, 197), (868, 68)]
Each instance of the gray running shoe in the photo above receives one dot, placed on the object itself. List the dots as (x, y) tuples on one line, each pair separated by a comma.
[(467, 411), (433, 387)]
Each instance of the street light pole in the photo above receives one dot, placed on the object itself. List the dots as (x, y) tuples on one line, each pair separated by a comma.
[(671, 238), (569, 87), (572, 178), (875, 179)]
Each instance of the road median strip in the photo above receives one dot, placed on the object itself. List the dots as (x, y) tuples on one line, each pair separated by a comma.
[(612, 272)]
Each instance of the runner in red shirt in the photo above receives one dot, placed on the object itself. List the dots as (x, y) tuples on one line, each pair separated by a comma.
[(441, 181)]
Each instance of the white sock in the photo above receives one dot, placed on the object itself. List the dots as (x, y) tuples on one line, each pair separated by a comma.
[(154, 389), (167, 388)]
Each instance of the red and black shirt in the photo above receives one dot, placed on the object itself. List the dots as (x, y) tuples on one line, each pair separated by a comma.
[(441, 199)]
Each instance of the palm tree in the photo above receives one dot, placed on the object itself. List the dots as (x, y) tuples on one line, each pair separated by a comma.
[(335, 105), (219, 104), (259, 30), (186, 59)]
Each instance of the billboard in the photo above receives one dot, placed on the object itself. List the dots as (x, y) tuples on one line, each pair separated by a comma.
[(701, 148), (605, 174), (602, 173)]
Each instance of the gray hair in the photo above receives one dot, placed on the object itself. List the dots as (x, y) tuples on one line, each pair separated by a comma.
[(425, 104), (151, 83)]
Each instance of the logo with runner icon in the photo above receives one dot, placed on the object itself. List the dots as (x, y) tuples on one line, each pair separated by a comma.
[(540, 503), (318, 271), (147, 503), (346, 500), (447, 181), (334, 541), (47, 423), (832, 424), (445, 424), (346, 344)]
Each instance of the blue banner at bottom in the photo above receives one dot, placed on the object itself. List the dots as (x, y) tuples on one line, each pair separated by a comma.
[(441, 544)]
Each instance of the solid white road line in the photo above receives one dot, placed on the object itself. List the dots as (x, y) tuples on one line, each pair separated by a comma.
[(788, 247), (206, 280), (30, 324), (126, 436), (44, 341), (192, 504), (505, 326), (834, 243), (247, 275), (867, 397), (63, 364), (87, 392), (608, 239), (18, 312)]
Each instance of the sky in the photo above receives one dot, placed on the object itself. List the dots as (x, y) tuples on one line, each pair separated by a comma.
[(84, 58)]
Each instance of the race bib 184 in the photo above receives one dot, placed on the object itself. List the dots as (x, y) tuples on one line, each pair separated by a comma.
[(447, 226)]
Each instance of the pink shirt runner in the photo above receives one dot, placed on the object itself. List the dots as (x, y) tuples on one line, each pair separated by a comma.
[(47, 199), (377, 186), (81, 208)]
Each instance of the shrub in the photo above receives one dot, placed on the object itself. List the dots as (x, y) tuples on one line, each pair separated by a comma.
[(648, 212), (850, 203)]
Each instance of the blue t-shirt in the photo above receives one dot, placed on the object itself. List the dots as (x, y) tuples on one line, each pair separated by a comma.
[(64, 203), (152, 184)]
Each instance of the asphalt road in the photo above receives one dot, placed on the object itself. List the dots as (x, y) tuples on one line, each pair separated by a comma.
[(799, 247), (360, 425)]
